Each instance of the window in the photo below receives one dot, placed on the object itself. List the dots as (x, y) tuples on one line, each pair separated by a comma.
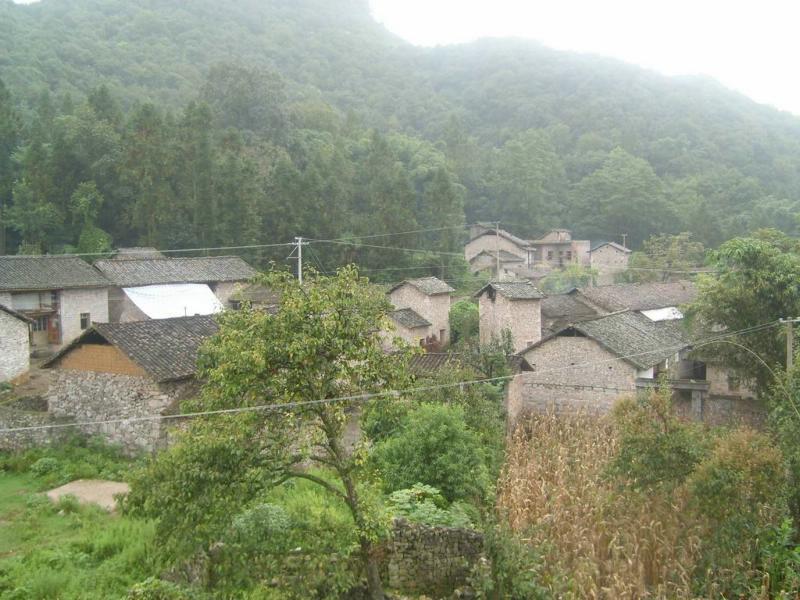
[(41, 323), (86, 320), (442, 333), (569, 254), (549, 255)]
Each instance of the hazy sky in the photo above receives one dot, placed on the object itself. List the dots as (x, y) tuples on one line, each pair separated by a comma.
[(750, 46)]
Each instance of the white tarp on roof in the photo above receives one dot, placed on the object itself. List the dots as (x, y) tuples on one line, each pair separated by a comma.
[(669, 313), (174, 300)]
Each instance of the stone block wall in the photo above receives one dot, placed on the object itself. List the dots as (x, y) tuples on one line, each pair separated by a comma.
[(608, 261), (523, 318), (86, 396), (436, 309), (12, 417), (431, 560), (14, 347)]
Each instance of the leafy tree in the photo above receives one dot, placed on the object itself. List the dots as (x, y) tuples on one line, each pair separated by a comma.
[(663, 257), (755, 282), (563, 280), (9, 132), (323, 343), (464, 321)]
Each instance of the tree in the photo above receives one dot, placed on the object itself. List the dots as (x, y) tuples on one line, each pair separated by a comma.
[(665, 258), (563, 280), (624, 196), (755, 282), (323, 343), (9, 131), (464, 321)]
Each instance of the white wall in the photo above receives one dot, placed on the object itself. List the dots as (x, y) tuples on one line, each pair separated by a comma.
[(14, 347), (74, 302)]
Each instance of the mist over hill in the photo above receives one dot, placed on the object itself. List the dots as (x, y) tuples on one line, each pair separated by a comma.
[(514, 131)]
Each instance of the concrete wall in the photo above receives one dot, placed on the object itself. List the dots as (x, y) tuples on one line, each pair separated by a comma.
[(88, 396), (14, 347), (491, 243), (523, 318), (74, 302), (608, 261), (436, 309), (570, 375), (431, 560)]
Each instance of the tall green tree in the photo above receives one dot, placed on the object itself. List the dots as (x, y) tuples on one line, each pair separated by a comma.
[(9, 138), (666, 258)]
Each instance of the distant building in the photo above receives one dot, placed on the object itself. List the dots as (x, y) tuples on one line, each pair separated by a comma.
[(136, 253), (423, 311), (514, 306), (157, 288), (15, 346), (62, 295), (609, 259), (638, 296), (129, 370), (557, 250)]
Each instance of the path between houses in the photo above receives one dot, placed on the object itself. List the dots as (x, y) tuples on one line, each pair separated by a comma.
[(91, 491)]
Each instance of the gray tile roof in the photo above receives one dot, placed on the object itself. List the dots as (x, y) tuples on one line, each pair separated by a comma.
[(152, 271), (505, 256), (630, 336), (409, 318), (137, 252), (517, 241), (429, 363), (427, 285), (165, 348), (513, 290), (640, 296), (21, 273), (563, 309), (15, 314)]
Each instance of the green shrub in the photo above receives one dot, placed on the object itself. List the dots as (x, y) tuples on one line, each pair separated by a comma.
[(464, 321), (68, 504), (158, 589), (262, 527), (45, 466), (425, 504), (435, 448)]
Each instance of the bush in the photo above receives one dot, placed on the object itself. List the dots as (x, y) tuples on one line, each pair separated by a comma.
[(464, 321), (157, 589), (436, 448), (425, 504), (45, 465)]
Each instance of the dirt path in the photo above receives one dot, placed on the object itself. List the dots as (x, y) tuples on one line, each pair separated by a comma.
[(91, 491)]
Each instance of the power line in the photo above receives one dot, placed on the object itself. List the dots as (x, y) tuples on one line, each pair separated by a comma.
[(369, 395)]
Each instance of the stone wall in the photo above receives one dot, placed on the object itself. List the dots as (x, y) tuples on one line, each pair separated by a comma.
[(73, 303), (14, 347), (718, 411), (436, 309), (431, 560), (522, 317), (12, 417), (87, 396)]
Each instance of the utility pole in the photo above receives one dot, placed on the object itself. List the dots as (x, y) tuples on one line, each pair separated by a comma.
[(789, 341), (624, 240), (497, 248), (300, 243)]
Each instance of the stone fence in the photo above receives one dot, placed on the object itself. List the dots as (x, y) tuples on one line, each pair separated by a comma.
[(423, 559), (16, 416)]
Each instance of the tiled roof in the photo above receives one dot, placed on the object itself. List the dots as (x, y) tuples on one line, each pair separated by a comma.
[(20, 273), (152, 271), (630, 336), (504, 256), (563, 309), (15, 314), (427, 285), (165, 348), (137, 252), (513, 290), (430, 362), (409, 318), (517, 241), (640, 296), (614, 245)]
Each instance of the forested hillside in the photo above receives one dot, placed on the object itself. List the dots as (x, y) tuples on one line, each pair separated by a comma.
[(241, 122)]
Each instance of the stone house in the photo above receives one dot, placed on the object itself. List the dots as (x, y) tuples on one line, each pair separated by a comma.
[(486, 242), (15, 348), (609, 259), (556, 249), (62, 295), (587, 366), (420, 301), (131, 371), (510, 305), (154, 288)]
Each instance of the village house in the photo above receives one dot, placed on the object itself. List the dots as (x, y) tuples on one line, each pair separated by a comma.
[(486, 243), (128, 370), (608, 259), (637, 296), (588, 365), (158, 288), (62, 295), (422, 315), (15, 349), (513, 306), (557, 250)]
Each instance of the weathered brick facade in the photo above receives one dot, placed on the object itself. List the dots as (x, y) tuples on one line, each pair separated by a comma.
[(609, 260), (522, 317), (433, 307)]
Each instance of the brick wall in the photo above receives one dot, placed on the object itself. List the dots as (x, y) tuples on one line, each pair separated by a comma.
[(522, 317), (14, 347), (100, 358), (73, 303), (436, 309)]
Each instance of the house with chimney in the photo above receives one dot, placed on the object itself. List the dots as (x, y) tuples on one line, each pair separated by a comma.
[(61, 295), (160, 288), (422, 311)]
